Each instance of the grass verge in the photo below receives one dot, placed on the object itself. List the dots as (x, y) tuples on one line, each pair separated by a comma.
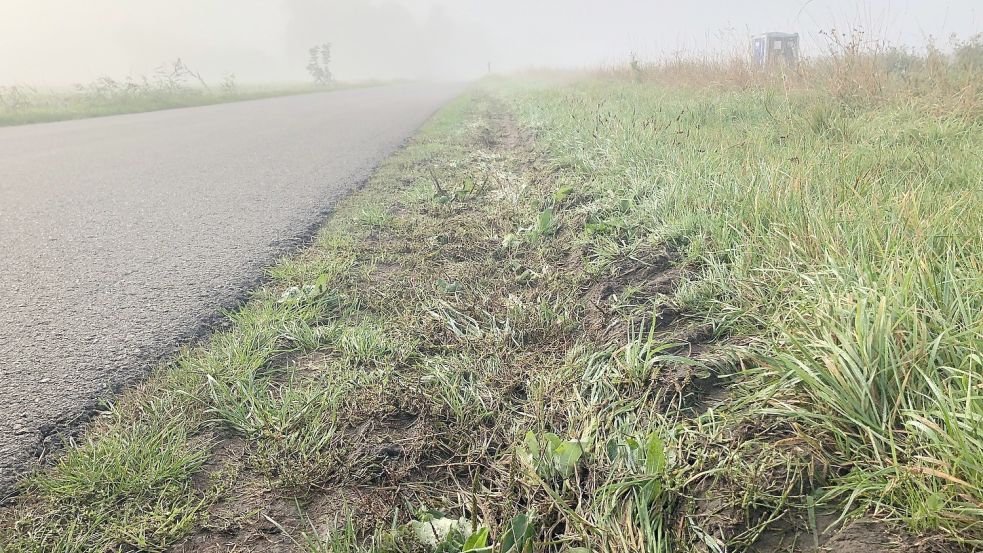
[(602, 315), (22, 105)]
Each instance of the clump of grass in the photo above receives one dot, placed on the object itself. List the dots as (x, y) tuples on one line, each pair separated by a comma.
[(129, 485)]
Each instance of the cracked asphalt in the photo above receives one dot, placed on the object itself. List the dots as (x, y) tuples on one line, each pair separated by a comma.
[(123, 237)]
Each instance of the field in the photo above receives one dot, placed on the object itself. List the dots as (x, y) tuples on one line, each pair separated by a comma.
[(680, 307), (172, 86)]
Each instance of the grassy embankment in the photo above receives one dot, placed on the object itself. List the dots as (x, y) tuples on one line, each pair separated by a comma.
[(621, 313), (173, 86)]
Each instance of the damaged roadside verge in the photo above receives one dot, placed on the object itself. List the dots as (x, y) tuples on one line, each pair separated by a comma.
[(503, 342)]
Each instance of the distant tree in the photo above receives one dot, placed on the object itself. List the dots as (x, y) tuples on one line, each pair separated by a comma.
[(319, 64)]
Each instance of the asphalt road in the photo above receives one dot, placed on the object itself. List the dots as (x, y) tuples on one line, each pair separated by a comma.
[(123, 237)]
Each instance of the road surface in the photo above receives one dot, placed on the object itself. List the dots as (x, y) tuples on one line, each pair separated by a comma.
[(122, 237)]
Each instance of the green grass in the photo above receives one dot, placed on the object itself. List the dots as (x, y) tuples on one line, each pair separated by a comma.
[(850, 237), (21, 105), (606, 314)]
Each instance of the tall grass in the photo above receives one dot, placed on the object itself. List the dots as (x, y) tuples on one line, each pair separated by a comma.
[(836, 210), (854, 68)]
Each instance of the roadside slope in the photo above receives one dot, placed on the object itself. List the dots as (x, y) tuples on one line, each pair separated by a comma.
[(582, 316), (123, 235)]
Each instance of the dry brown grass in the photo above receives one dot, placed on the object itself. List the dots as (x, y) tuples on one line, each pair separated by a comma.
[(854, 67)]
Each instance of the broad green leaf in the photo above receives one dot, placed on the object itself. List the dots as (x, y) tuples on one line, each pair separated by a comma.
[(655, 455), (567, 455), (553, 440), (612, 447), (476, 541), (449, 287), (563, 193), (544, 223), (532, 445), (518, 535)]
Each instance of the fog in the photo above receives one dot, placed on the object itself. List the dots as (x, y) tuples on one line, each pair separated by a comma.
[(53, 42)]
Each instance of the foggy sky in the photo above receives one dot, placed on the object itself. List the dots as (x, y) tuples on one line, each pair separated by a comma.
[(52, 42)]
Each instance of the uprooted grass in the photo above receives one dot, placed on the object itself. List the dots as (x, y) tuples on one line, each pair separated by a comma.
[(599, 316)]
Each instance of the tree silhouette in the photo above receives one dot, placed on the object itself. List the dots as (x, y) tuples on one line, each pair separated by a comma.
[(318, 64)]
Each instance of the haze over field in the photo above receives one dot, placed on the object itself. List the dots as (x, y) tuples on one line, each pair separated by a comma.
[(55, 42)]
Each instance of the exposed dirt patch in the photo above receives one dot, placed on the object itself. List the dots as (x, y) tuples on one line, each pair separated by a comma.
[(865, 535), (377, 476)]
